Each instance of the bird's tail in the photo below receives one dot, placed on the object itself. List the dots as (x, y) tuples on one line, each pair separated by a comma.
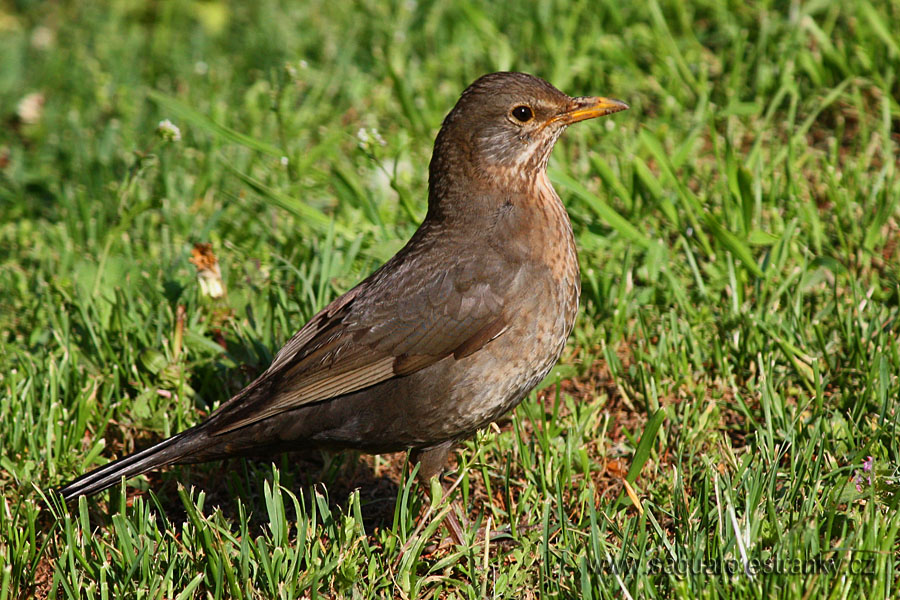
[(166, 452)]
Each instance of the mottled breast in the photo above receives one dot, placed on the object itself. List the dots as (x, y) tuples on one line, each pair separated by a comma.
[(538, 235)]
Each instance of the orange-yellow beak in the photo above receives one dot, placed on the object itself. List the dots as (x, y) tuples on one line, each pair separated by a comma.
[(588, 107)]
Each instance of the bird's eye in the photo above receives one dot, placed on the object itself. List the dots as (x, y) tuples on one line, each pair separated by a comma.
[(522, 113)]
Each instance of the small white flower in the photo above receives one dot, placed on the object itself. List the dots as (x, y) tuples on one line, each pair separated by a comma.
[(168, 131), (304, 64), (201, 68), (284, 161), (31, 108), (368, 137), (363, 136), (42, 37)]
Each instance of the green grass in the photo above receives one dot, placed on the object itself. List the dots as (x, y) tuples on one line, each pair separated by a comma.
[(740, 247)]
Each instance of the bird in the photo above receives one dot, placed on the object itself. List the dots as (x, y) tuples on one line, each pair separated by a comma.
[(449, 334)]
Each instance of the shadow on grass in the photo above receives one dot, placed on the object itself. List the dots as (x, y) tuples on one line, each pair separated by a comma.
[(232, 483)]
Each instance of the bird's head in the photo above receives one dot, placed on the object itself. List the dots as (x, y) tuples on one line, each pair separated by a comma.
[(502, 130)]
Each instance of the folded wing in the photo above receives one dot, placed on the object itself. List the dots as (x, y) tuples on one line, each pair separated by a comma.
[(369, 335)]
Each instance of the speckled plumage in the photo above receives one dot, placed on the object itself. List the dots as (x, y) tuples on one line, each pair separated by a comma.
[(449, 334)]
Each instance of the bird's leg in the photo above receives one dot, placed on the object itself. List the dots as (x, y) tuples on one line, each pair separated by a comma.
[(431, 463)]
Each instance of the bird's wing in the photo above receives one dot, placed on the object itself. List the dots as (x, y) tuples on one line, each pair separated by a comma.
[(390, 325)]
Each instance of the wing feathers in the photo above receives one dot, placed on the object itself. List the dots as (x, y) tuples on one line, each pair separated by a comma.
[(315, 391), (370, 335)]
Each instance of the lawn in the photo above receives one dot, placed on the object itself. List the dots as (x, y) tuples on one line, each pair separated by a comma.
[(734, 367)]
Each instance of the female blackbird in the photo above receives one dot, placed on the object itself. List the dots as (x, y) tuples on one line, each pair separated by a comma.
[(445, 337)]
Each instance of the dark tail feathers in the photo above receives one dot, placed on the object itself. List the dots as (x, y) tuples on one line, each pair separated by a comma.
[(164, 453)]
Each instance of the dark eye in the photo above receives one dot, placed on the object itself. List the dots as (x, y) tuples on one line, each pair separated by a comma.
[(522, 113)]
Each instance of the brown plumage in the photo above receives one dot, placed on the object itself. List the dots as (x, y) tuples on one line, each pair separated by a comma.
[(450, 333)]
